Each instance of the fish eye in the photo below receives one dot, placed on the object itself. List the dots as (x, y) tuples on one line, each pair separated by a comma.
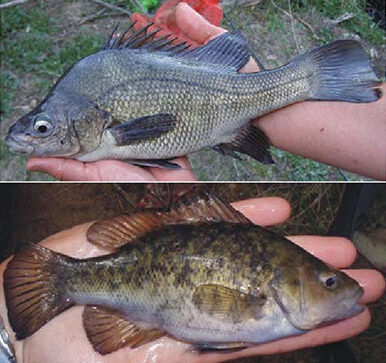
[(329, 280), (42, 125)]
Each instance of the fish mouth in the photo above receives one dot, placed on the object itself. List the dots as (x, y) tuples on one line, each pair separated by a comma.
[(351, 309), (18, 147), (355, 308)]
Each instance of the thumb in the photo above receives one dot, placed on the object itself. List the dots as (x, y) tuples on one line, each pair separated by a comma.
[(194, 26)]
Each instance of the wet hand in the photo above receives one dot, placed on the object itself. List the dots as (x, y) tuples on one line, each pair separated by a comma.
[(63, 339)]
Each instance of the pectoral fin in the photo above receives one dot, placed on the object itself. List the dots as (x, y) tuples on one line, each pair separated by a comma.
[(109, 330), (227, 304), (143, 128)]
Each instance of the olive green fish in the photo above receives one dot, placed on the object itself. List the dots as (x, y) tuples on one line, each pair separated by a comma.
[(145, 100), (201, 273)]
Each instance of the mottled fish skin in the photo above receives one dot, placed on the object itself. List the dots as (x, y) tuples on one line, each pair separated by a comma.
[(154, 281)]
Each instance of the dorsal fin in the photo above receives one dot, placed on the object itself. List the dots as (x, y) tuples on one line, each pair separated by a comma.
[(115, 232), (229, 50), (143, 38)]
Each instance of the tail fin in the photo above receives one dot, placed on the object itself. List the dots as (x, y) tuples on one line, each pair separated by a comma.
[(33, 288), (343, 72)]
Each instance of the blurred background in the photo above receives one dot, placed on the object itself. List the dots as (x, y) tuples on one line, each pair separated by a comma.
[(41, 39), (31, 212)]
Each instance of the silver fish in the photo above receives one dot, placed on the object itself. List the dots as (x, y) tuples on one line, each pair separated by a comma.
[(144, 100)]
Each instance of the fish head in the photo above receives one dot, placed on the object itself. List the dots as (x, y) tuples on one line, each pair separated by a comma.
[(314, 294), (62, 125), (40, 133)]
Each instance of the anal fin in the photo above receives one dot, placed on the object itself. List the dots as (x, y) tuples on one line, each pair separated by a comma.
[(250, 140), (109, 330)]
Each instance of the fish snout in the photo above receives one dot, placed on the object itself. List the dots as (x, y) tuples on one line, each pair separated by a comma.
[(16, 145)]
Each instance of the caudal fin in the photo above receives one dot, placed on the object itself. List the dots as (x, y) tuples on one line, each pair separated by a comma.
[(33, 288), (341, 71)]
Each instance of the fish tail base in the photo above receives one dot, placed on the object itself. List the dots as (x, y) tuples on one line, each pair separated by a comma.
[(343, 73), (33, 285)]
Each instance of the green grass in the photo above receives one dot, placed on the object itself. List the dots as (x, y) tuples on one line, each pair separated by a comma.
[(29, 46), (361, 24)]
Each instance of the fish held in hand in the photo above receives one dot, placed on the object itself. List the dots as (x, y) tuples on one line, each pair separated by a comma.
[(167, 276), (145, 100)]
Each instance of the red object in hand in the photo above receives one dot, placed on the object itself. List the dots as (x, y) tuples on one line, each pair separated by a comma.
[(165, 18)]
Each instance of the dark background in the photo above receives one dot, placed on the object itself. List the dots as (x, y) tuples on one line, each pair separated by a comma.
[(31, 212)]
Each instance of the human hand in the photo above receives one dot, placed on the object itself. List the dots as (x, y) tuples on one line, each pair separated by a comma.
[(109, 170), (63, 339)]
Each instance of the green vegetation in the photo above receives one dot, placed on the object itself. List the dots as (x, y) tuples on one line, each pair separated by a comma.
[(361, 23), (30, 46)]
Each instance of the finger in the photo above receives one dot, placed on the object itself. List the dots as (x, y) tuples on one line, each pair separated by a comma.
[(264, 211), (104, 170), (372, 282), (336, 251), (195, 26), (183, 174), (62, 169), (250, 67)]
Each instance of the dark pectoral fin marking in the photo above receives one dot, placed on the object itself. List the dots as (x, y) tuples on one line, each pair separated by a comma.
[(143, 128)]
